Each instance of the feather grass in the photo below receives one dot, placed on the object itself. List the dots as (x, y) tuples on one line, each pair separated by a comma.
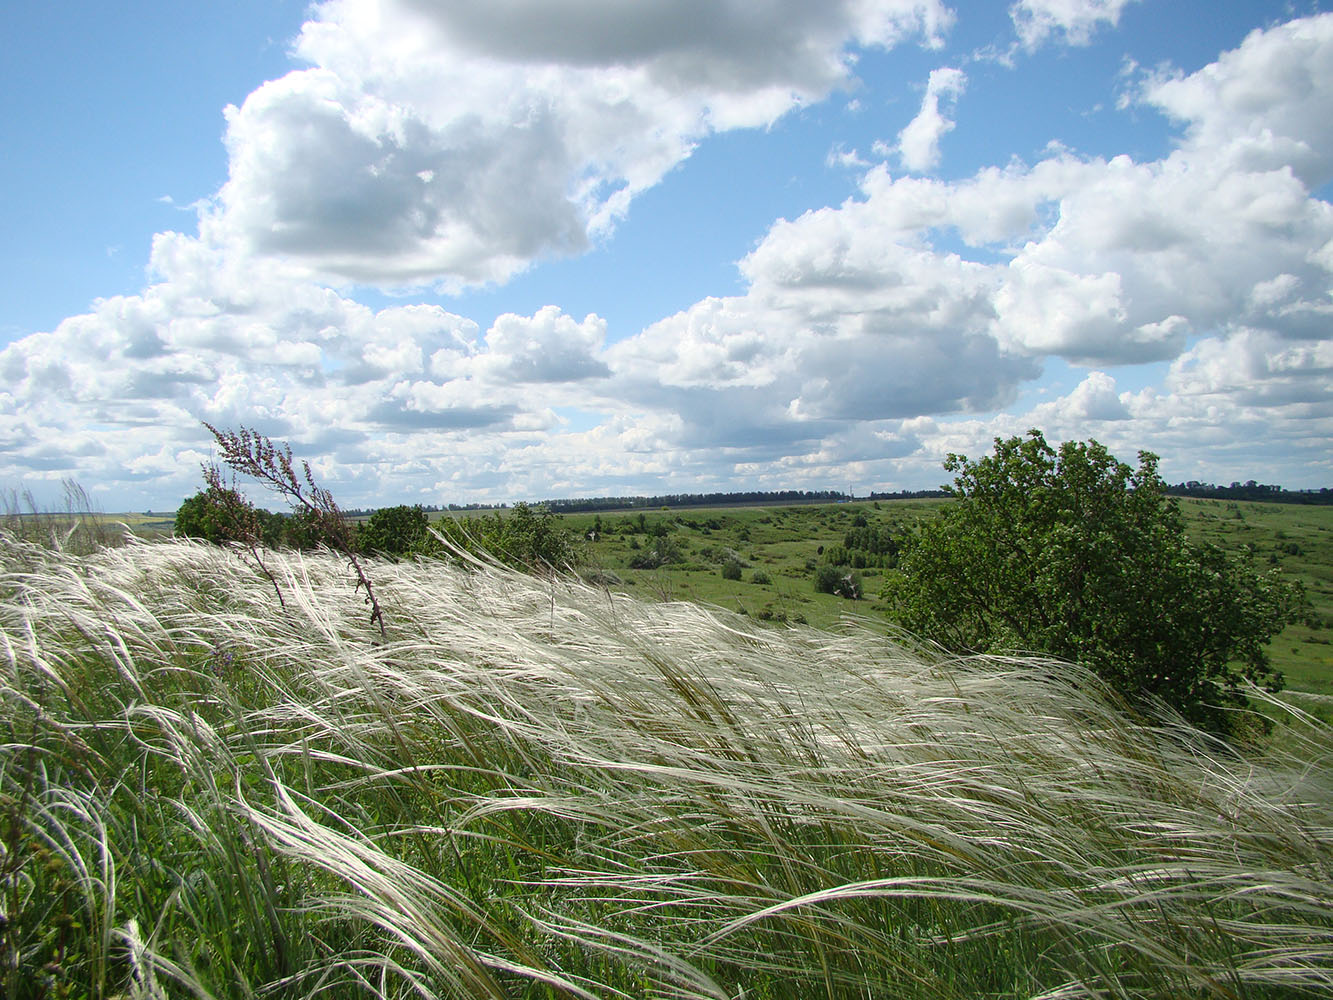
[(534, 788)]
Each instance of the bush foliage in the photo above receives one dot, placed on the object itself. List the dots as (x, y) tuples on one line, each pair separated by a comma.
[(527, 537), (395, 531), (837, 580), (1075, 555)]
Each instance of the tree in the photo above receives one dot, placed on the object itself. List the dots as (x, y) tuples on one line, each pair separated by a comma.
[(1075, 555), (219, 515), (394, 531)]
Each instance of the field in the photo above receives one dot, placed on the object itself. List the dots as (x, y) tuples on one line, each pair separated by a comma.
[(536, 788), (785, 543)]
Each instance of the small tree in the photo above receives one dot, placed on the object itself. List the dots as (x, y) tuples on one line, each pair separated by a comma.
[(1078, 556), (394, 531), (219, 515)]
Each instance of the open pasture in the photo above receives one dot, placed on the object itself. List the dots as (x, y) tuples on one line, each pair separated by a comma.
[(784, 544)]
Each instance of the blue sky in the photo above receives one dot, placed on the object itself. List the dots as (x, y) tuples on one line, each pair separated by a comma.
[(473, 251)]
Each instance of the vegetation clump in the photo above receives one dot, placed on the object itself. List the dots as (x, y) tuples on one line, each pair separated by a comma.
[(663, 550), (831, 578), (252, 454), (530, 538), (395, 531), (1075, 555)]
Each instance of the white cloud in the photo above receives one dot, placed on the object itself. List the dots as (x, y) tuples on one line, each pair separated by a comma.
[(372, 394), (1093, 401), (1072, 21), (870, 337), (853, 317), (838, 326), (1263, 106), (847, 159), (546, 347), (1258, 368), (919, 141), (455, 143)]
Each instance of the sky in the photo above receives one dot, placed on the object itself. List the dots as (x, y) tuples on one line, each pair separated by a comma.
[(459, 251)]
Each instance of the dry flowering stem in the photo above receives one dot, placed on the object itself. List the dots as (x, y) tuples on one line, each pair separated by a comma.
[(252, 454), (244, 524)]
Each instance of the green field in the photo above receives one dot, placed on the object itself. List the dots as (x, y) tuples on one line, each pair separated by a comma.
[(784, 543), (1298, 540)]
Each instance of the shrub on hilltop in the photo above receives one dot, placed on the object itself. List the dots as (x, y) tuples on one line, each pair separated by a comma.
[(527, 537), (1073, 554)]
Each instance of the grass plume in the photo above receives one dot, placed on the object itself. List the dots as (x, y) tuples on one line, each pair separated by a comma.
[(535, 788)]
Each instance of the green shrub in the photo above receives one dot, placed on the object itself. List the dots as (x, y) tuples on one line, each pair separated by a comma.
[(662, 551), (218, 515), (527, 538), (394, 531), (837, 580), (1078, 556), (836, 555)]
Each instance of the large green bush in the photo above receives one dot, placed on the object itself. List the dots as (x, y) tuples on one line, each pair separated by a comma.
[(837, 580), (1076, 555), (527, 537), (220, 515), (394, 531)]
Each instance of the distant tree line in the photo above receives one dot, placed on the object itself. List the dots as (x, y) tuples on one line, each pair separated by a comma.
[(752, 498), (911, 495), (1250, 490)]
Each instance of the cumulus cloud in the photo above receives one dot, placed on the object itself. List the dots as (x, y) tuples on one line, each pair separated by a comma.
[(373, 393), (1071, 21), (1256, 367), (546, 347), (837, 327), (855, 315), (1261, 107), (453, 144), (869, 338), (919, 141), (1116, 261)]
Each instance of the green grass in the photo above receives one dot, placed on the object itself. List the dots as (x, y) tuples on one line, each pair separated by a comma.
[(1299, 541), (783, 541), (536, 788)]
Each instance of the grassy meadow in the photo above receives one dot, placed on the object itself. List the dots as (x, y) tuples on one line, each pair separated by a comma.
[(783, 544), (541, 788)]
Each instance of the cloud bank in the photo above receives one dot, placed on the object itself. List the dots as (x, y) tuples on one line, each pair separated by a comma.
[(1071, 21), (428, 144)]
